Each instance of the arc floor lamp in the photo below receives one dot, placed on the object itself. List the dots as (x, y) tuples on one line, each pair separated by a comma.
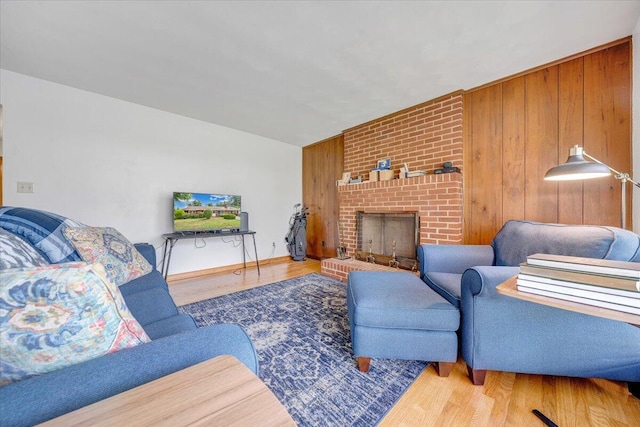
[(576, 167)]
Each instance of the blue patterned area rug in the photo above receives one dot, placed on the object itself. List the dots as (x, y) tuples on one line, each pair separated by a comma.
[(301, 333)]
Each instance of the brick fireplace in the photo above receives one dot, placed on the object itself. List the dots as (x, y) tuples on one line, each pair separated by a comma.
[(424, 137)]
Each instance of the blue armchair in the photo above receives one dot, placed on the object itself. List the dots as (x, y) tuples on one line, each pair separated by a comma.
[(501, 333)]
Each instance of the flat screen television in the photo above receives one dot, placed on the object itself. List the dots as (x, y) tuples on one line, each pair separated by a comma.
[(194, 212)]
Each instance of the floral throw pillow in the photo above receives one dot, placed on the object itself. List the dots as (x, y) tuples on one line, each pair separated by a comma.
[(15, 252), (59, 315), (106, 245)]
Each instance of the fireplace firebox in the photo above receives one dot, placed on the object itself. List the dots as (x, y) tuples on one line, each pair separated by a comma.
[(388, 238)]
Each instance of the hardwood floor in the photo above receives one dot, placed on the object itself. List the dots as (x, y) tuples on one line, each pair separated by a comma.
[(506, 399)]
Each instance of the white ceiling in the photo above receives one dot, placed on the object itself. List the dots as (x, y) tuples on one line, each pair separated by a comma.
[(297, 72)]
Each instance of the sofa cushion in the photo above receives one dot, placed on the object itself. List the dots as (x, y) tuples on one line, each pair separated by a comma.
[(43, 230), (108, 246), (148, 281), (519, 239), (171, 325), (17, 253), (446, 284), (59, 315)]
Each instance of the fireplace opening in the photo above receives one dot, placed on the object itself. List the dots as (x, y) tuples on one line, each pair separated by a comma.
[(388, 238)]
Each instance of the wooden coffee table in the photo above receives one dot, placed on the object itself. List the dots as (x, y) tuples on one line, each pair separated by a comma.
[(218, 392)]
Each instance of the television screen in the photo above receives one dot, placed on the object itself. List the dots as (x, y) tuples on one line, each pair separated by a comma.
[(205, 212)]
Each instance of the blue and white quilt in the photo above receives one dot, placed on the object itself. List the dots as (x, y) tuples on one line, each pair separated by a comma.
[(44, 230)]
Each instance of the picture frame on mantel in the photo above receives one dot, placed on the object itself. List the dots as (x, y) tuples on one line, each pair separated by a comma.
[(346, 177), (384, 164)]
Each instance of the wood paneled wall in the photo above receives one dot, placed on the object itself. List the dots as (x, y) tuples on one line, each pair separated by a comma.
[(322, 165), (518, 128)]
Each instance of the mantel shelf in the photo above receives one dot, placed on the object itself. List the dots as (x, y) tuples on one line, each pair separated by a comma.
[(416, 180)]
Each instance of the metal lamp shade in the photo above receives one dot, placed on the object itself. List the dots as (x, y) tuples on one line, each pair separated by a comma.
[(576, 167)]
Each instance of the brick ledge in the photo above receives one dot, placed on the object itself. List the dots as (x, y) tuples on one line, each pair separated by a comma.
[(339, 268)]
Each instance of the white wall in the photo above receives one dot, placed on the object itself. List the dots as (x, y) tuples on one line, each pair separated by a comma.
[(107, 162)]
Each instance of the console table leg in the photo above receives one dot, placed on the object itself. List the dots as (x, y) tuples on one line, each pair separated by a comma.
[(256, 252), (166, 259), (244, 257)]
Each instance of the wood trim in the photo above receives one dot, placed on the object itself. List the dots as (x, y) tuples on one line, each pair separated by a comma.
[(331, 138), (553, 63), (225, 268)]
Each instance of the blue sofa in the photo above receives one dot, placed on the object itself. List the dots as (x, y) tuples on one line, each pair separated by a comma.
[(176, 343), (502, 333)]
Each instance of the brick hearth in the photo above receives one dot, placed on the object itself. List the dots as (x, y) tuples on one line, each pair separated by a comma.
[(339, 268)]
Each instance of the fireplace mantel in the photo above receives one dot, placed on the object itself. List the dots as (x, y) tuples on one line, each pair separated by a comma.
[(436, 198)]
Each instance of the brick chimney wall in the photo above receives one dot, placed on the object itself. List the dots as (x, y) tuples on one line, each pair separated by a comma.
[(424, 136)]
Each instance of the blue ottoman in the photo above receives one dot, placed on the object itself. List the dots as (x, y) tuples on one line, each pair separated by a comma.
[(395, 315)]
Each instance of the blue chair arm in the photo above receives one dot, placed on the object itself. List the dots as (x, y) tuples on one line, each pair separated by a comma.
[(147, 251), (483, 280), (453, 258), (43, 397), (499, 332)]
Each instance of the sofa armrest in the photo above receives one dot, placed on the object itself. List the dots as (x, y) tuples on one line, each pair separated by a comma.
[(43, 397), (453, 258), (483, 280), (147, 251)]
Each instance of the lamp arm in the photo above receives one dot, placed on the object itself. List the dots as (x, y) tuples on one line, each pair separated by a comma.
[(619, 175)]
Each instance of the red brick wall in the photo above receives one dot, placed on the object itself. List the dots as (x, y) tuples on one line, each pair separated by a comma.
[(436, 198), (424, 136)]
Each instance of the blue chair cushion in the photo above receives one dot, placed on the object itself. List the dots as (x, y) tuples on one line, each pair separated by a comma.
[(399, 300), (519, 239)]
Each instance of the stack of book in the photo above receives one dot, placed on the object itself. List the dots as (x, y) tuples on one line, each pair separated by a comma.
[(603, 283)]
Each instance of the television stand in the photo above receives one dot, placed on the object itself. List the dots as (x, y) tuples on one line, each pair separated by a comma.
[(170, 240)]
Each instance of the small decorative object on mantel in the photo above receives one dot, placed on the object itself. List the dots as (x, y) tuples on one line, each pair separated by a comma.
[(382, 171), (384, 164), (412, 174), (385, 175), (346, 177), (447, 167)]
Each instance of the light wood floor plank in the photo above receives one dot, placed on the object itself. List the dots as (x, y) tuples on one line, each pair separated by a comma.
[(506, 399)]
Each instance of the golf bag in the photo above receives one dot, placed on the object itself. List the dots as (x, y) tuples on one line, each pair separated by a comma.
[(297, 237)]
